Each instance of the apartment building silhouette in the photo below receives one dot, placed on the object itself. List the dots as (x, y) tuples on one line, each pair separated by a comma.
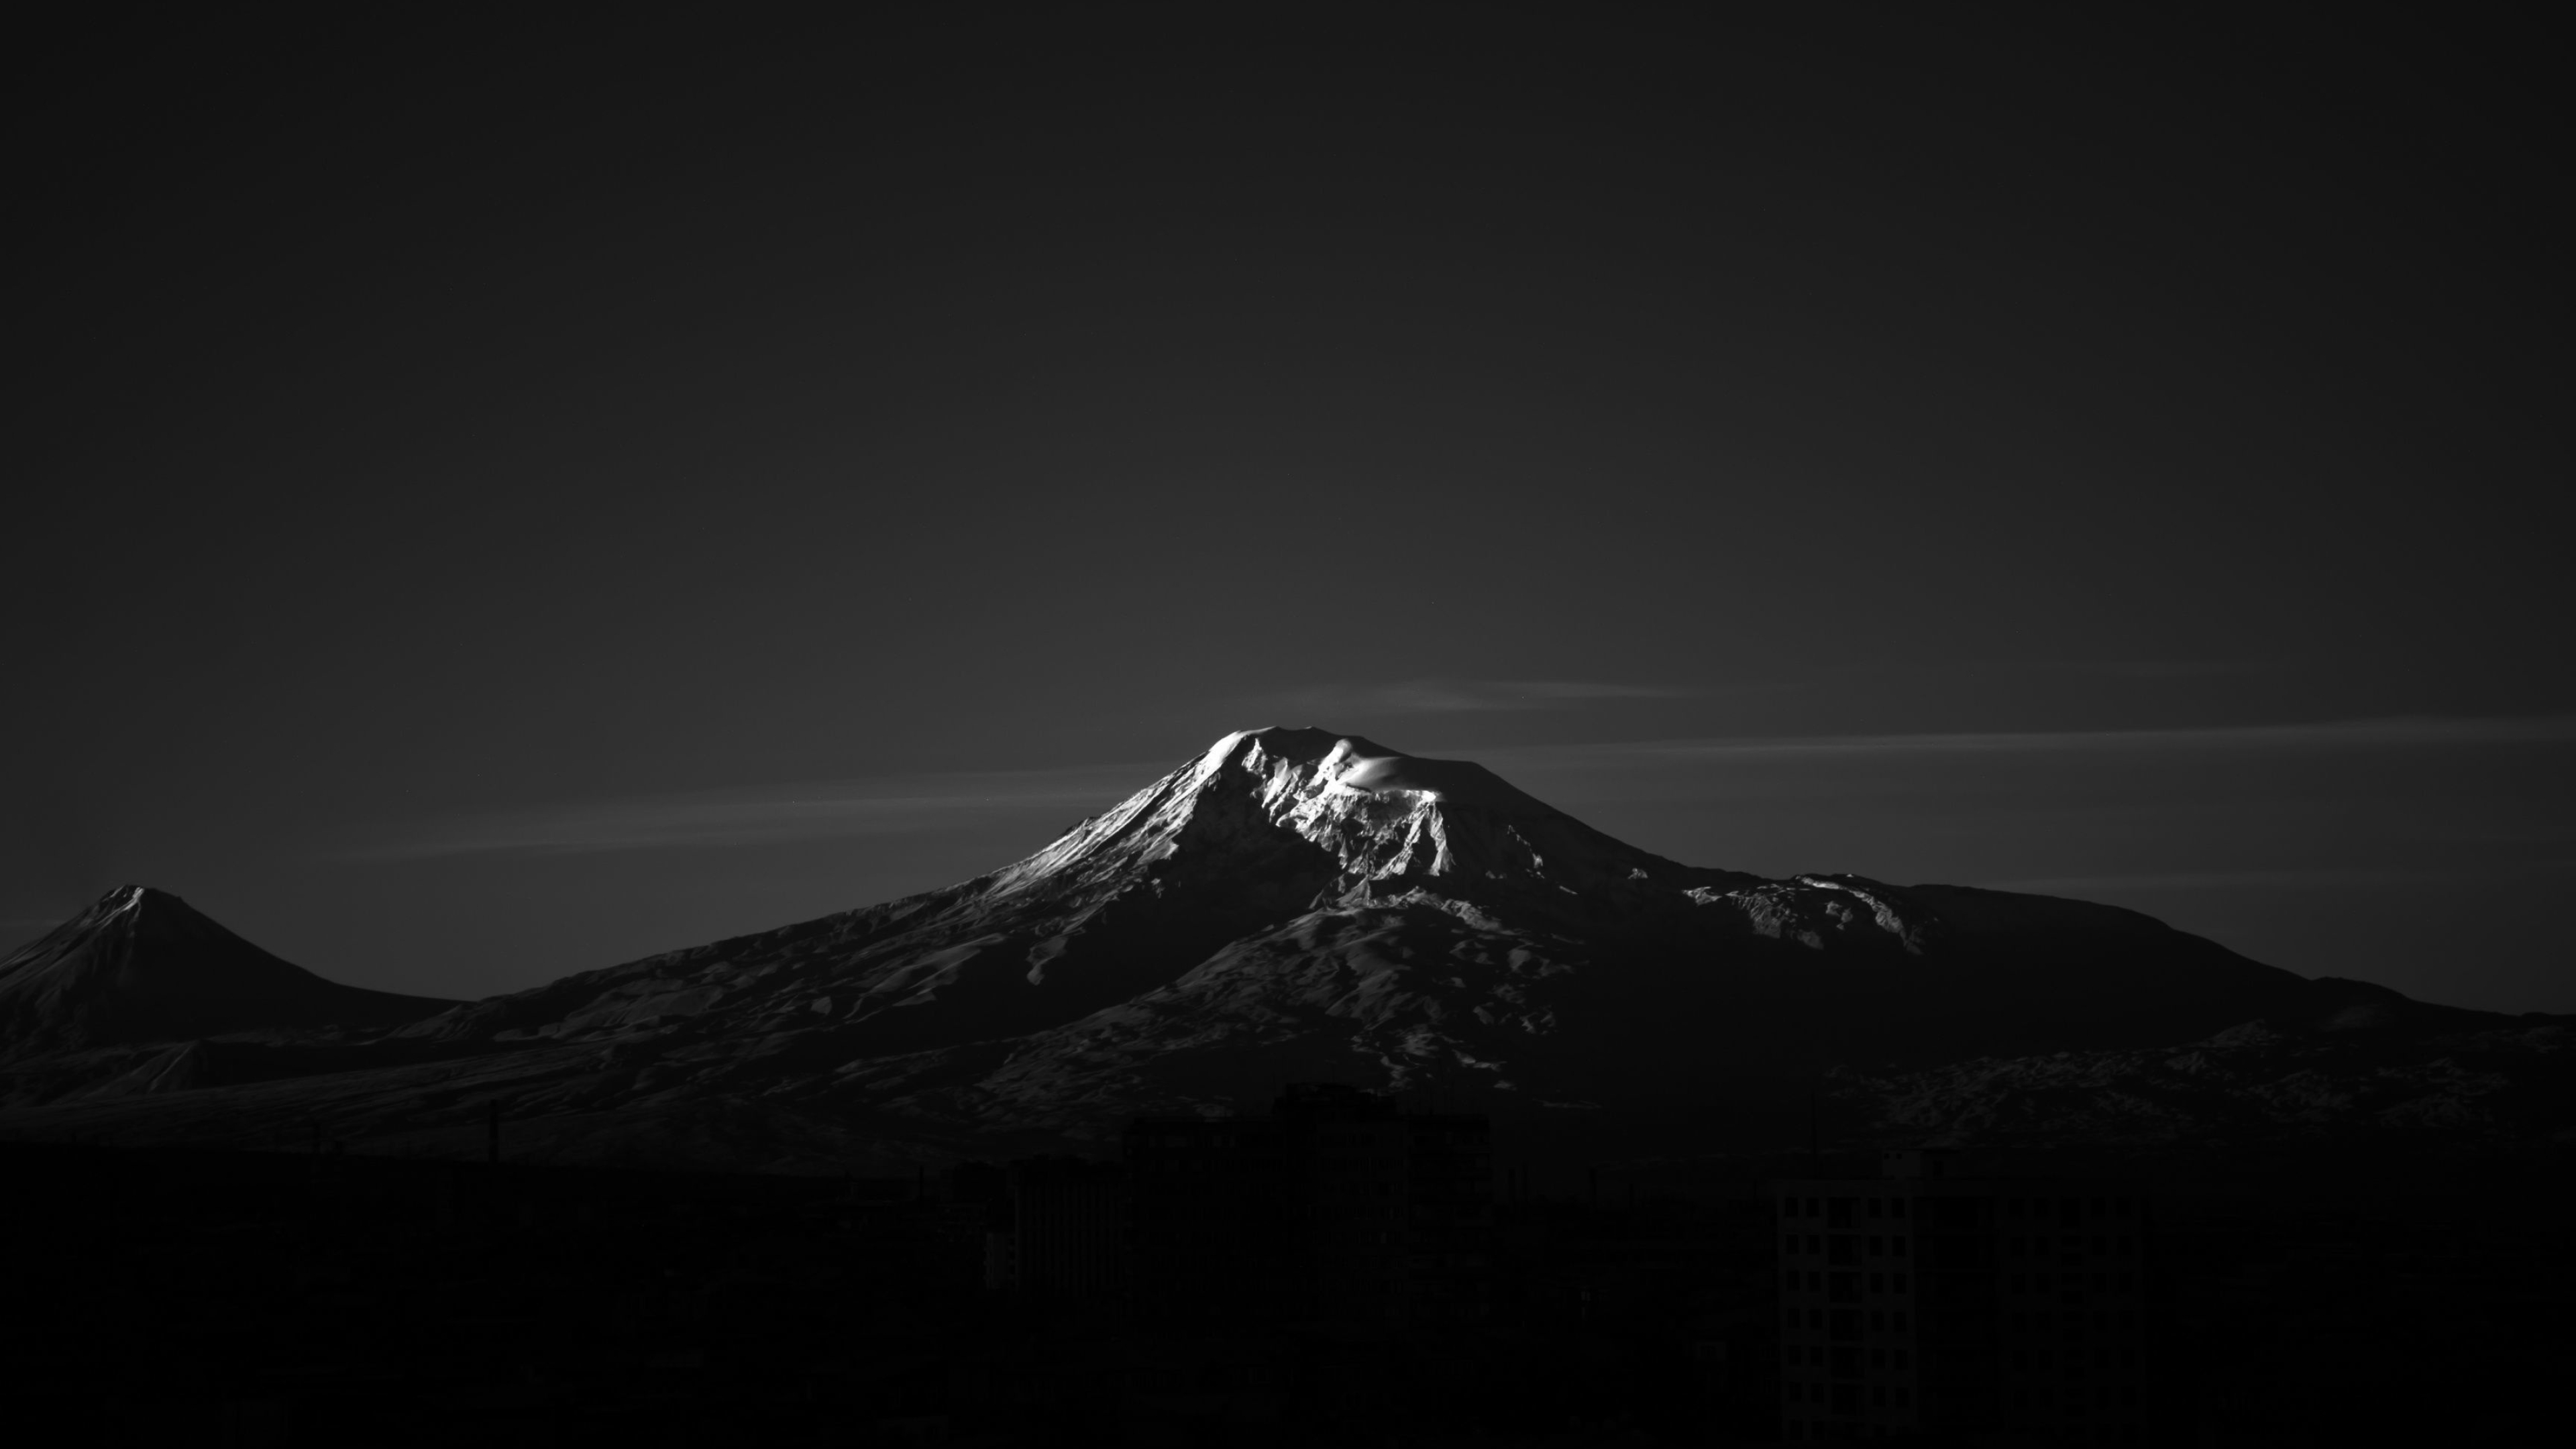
[(1931, 1299)]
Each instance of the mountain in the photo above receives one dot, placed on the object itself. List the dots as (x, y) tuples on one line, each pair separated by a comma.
[(1289, 905), (141, 966)]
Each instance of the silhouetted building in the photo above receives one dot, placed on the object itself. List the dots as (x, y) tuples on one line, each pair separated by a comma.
[(1934, 1300), (1336, 1206)]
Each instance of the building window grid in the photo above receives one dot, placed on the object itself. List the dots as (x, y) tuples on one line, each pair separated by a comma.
[(2070, 1211)]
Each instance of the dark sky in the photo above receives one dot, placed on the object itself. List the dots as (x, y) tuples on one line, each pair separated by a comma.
[(493, 502)]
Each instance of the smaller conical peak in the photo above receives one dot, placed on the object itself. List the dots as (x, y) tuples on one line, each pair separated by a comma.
[(139, 910), (126, 902)]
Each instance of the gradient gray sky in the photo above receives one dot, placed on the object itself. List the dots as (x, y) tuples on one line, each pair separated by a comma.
[(496, 506)]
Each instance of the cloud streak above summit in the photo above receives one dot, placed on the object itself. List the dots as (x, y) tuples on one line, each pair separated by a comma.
[(2422, 731), (1452, 696), (765, 815), (2315, 878)]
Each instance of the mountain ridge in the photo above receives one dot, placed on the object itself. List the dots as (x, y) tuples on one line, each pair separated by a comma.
[(1289, 904)]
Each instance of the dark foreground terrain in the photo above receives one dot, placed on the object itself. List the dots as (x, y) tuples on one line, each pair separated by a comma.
[(325, 1299)]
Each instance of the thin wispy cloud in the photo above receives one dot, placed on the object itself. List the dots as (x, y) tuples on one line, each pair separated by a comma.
[(1948, 668), (817, 810), (2413, 731), (2153, 668), (1448, 696), (2322, 878)]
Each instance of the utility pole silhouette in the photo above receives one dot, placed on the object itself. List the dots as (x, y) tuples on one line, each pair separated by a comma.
[(1815, 1125), (1828, 1021), (492, 1134)]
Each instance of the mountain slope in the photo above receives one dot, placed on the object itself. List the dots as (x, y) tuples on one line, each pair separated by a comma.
[(2377, 1065)]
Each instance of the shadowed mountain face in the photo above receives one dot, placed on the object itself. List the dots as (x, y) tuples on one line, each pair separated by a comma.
[(2377, 1064), (141, 966), (1291, 905)]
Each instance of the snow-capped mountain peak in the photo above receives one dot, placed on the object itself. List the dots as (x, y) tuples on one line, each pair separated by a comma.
[(1368, 815)]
